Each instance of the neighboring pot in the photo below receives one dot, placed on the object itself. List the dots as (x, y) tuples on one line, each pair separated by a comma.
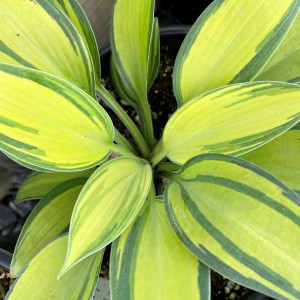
[(5, 260)]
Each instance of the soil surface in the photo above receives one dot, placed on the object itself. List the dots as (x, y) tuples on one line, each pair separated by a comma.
[(5, 283)]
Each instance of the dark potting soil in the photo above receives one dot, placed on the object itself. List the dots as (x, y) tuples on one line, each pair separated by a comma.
[(163, 104), (5, 283)]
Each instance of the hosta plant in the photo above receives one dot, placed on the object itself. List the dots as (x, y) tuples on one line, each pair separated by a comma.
[(217, 190)]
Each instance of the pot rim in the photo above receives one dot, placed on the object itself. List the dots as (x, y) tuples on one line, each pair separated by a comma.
[(5, 259), (164, 30)]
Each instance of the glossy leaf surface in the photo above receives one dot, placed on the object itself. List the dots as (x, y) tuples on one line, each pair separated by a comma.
[(37, 34), (106, 206), (37, 184), (232, 120), (280, 157), (240, 221), (40, 113), (149, 262), (49, 218), (79, 283), (230, 43)]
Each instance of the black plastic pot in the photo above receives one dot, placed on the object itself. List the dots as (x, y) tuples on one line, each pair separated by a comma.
[(5, 260)]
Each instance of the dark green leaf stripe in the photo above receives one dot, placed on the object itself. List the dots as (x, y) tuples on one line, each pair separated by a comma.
[(48, 219), (9, 52), (266, 48), (247, 222), (148, 253), (37, 184)]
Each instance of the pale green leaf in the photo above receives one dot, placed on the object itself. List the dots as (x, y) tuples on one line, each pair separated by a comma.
[(280, 157), (79, 283), (37, 185), (285, 63), (48, 219)]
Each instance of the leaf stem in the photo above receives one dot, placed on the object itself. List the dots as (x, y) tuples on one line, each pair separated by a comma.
[(147, 118), (123, 142), (157, 154), (167, 166), (116, 107), (123, 152)]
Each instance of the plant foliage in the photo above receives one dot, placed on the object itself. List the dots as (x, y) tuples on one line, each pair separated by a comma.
[(174, 207)]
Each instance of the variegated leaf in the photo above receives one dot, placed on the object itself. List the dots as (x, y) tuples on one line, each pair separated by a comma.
[(285, 63), (79, 283), (48, 219), (40, 113), (230, 43), (108, 203), (231, 120), (131, 30), (37, 34), (240, 221), (149, 262), (74, 11), (280, 157)]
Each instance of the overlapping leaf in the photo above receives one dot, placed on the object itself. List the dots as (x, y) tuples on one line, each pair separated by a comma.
[(240, 221), (49, 218), (79, 283), (49, 123), (37, 185), (280, 157), (230, 43), (106, 206), (232, 120), (57, 47), (149, 262), (74, 11), (285, 63)]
